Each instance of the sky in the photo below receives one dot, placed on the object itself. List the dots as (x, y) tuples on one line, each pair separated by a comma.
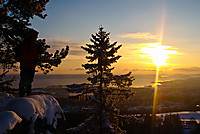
[(147, 29)]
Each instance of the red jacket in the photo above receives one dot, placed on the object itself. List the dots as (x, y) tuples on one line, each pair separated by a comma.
[(28, 55)]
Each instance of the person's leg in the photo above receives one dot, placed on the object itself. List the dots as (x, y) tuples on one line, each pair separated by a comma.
[(30, 80), (22, 82), (28, 89)]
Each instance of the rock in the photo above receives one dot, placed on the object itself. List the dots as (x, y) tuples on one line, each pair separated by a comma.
[(38, 113), (9, 119)]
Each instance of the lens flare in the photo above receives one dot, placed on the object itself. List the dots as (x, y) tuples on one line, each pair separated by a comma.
[(157, 53)]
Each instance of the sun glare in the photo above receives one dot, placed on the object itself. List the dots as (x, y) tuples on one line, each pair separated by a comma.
[(157, 53)]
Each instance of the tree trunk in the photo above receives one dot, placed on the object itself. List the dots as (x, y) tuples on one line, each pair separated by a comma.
[(101, 97)]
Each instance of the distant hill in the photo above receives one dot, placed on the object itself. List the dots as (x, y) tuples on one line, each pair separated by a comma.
[(191, 83)]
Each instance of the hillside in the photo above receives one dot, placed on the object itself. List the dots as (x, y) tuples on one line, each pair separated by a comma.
[(176, 95)]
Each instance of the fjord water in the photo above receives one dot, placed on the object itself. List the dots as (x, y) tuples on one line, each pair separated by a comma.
[(43, 81)]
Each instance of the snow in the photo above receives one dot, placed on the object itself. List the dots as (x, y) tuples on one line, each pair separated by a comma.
[(48, 132), (24, 107), (30, 108), (185, 115), (5, 98), (8, 121), (42, 106)]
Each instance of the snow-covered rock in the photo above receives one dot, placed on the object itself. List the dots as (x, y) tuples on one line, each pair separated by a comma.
[(5, 98), (8, 121), (38, 113)]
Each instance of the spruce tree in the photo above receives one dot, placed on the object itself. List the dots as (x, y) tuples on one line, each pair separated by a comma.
[(102, 54)]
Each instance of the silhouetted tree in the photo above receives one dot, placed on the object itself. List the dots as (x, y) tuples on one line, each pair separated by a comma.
[(106, 116), (48, 60), (123, 80), (5, 85), (102, 55), (15, 18), (172, 124)]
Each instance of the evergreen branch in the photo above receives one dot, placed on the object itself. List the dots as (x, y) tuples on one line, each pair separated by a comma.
[(91, 71), (118, 47), (92, 58), (93, 41), (107, 41), (80, 127), (92, 80), (3, 75), (111, 52), (89, 66), (91, 46), (114, 59), (95, 38), (88, 50), (112, 45)]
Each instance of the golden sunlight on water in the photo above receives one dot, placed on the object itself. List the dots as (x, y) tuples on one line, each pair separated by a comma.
[(154, 98)]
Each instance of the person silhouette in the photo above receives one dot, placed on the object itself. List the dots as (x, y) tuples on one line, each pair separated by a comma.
[(28, 58)]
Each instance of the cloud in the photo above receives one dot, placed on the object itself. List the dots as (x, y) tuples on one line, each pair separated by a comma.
[(79, 69), (62, 43), (77, 52), (139, 36), (126, 69), (143, 70), (189, 69), (134, 70), (74, 47), (57, 41)]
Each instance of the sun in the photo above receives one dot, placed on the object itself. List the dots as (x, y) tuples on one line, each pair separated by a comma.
[(157, 53)]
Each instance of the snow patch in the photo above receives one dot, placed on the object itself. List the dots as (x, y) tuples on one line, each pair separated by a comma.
[(5, 98), (37, 106), (8, 121), (48, 132)]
